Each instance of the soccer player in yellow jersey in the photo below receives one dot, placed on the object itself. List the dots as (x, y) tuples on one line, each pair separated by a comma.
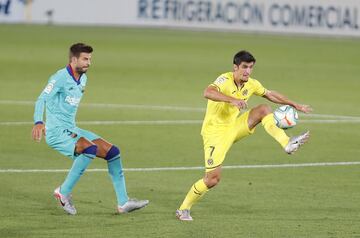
[(227, 121)]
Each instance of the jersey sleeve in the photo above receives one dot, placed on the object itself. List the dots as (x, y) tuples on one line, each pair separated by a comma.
[(53, 86), (219, 83), (259, 90)]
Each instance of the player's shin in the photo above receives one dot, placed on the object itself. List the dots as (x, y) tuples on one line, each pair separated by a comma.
[(196, 191), (117, 175), (278, 134), (80, 164)]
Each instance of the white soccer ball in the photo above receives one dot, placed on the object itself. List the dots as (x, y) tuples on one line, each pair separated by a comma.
[(286, 117)]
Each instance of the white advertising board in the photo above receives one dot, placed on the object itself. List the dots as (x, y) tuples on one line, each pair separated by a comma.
[(318, 17)]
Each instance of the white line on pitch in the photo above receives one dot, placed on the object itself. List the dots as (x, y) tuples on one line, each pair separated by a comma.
[(166, 108), (112, 105), (316, 121), (264, 166), (168, 122), (329, 116), (154, 122)]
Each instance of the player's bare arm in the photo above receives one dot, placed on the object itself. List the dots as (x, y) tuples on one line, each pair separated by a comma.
[(279, 98), (212, 93), (37, 132)]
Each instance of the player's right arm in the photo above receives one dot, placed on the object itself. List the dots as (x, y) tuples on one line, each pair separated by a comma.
[(213, 93), (50, 90), (38, 131)]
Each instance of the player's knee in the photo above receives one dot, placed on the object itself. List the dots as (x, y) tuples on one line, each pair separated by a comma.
[(90, 151), (212, 181), (114, 152), (264, 110)]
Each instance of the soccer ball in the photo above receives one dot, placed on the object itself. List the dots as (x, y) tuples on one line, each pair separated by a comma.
[(286, 117)]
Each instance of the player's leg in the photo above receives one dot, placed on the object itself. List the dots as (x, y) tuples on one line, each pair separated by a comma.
[(212, 178), (111, 154), (85, 151), (263, 113), (198, 190), (82, 151), (215, 149)]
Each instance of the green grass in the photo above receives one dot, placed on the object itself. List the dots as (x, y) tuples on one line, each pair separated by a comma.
[(171, 68)]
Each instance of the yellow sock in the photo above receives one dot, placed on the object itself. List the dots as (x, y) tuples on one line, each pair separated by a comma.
[(278, 134), (196, 191)]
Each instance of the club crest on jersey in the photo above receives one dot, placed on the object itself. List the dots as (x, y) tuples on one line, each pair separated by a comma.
[(245, 92), (210, 161)]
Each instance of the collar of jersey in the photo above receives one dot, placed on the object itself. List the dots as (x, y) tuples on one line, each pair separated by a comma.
[(71, 72)]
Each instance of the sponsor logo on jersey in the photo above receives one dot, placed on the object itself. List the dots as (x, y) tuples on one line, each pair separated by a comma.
[(73, 101)]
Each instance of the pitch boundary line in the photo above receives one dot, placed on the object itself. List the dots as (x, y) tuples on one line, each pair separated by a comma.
[(264, 166), (166, 122), (166, 108), (113, 105)]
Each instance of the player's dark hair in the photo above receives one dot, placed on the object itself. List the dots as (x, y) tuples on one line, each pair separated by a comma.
[(243, 56), (78, 48)]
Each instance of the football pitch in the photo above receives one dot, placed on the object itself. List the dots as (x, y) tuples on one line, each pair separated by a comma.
[(145, 94)]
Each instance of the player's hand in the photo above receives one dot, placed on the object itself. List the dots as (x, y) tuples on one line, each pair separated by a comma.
[(240, 104), (37, 132), (303, 108)]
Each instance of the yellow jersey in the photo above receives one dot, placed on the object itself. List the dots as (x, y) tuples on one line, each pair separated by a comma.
[(220, 115)]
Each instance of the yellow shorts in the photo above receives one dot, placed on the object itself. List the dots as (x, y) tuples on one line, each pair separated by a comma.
[(217, 144)]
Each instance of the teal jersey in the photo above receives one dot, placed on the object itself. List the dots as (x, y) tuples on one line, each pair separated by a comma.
[(61, 97)]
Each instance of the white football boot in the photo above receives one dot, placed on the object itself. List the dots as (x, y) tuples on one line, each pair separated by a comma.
[(65, 201), (183, 215), (132, 205), (296, 141)]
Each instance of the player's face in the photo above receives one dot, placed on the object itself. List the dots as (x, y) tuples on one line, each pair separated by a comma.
[(243, 71), (82, 63)]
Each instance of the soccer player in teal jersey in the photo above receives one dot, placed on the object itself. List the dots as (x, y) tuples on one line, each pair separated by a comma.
[(61, 98)]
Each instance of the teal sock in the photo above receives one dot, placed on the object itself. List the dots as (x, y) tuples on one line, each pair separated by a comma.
[(117, 177), (79, 166)]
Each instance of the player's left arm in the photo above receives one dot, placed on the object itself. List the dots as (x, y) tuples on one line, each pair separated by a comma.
[(279, 98)]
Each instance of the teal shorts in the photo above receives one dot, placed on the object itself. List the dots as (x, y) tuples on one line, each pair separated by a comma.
[(64, 139)]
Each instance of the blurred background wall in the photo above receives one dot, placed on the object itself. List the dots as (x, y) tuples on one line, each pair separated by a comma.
[(315, 17)]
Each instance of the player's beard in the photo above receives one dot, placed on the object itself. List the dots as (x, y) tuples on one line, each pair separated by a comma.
[(81, 70)]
